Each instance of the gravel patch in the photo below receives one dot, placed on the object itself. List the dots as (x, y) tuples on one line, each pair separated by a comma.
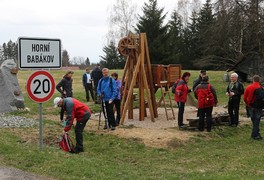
[(9, 173), (11, 121)]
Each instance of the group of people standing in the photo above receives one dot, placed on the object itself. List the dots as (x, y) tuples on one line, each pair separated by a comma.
[(207, 99)]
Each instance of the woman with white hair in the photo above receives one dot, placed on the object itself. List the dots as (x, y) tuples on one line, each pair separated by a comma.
[(234, 90)]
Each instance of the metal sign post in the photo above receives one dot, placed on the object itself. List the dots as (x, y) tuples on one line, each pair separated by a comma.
[(40, 88), (40, 126)]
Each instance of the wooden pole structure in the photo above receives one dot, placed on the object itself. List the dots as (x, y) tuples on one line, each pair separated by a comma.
[(137, 61)]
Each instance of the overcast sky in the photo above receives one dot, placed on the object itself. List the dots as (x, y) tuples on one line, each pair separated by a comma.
[(80, 24)]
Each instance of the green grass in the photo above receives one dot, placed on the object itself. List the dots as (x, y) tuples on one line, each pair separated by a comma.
[(225, 153)]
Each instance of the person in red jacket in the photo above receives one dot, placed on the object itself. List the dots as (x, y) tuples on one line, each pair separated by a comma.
[(206, 95), (254, 111), (180, 96), (74, 110)]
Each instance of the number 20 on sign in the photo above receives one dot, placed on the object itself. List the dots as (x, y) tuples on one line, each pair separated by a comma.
[(40, 86)]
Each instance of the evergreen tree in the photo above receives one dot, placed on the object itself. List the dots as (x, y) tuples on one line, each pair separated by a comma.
[(175, 39), (10, 50), (190, 43), (87, 62), (112, 59), (65, 58), (205, 24), (151, 23)]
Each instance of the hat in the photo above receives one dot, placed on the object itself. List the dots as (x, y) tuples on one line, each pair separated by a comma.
[(56, 101), (69, 72), (203, 71)]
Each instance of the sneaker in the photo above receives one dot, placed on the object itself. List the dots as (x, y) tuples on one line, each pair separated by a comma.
[(112, 128), (105, 127)]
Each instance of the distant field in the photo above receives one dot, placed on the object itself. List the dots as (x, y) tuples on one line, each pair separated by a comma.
[(216, 79)]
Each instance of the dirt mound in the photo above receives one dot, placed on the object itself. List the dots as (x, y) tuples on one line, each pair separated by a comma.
[(162, 133)]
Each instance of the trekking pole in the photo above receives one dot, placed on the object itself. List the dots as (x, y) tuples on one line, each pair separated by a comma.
[(105, 115), (100, 115)]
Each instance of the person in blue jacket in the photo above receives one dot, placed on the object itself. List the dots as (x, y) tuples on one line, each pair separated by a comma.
[(107, 90)]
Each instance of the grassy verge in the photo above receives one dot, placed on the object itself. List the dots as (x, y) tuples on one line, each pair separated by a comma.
[(226, 153)]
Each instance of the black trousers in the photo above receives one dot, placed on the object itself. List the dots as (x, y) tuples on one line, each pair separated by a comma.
[(117, 103), (89, 88), (205, 112), (181, 106), (109, 113), (79, 130), (233, 111)]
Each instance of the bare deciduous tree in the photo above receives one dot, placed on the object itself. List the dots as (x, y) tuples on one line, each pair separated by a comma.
[(121, 19)]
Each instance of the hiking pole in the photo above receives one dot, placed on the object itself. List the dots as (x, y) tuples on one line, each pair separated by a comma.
[(105, 115), (100, 115)]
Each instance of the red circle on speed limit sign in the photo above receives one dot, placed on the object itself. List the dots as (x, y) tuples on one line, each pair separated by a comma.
[(40, 86)]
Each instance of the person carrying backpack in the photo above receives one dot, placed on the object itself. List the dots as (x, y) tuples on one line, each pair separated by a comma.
[(107, 90), (180, 96), (207, 98), (74, 110), (234, 90), (255, 111)]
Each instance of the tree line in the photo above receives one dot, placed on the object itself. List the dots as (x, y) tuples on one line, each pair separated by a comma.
[(216, 36)]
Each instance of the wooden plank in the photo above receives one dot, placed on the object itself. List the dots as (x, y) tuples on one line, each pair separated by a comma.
[(149, 75), (130, 91)]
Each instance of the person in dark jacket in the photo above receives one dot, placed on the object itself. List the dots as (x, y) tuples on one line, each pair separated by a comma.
[(65, 85), (205, 108), (180, 96), (254, 111), (234, 90), (65, 88), (87, 84), (74, 110), (96, 75), (107, 90), (197, 81)]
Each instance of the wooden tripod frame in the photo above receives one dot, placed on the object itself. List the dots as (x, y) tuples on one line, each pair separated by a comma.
[(137, 73)]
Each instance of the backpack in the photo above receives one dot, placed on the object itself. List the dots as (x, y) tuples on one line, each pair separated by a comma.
[(111, 79), (66, 143), (259, 101), (207, 97), (174, 86)]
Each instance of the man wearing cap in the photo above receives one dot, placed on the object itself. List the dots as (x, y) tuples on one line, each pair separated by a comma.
[(74, 110), (197, 82), (199, 79), (65, 88)]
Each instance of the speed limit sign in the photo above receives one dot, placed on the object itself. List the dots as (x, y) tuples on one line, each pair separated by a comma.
[(40, 86)]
